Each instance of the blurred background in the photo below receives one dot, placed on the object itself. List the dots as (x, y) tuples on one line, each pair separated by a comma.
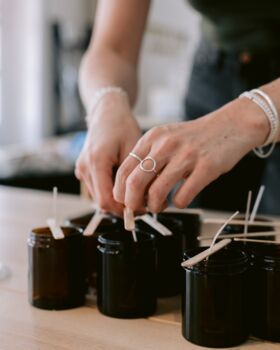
[(42, 124)]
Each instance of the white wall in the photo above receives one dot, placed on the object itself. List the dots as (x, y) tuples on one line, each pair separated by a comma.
[(171, 37), (22, 51), (26, 63)]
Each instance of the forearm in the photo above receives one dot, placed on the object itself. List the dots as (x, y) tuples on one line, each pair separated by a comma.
[(106, 67), (247, 118)]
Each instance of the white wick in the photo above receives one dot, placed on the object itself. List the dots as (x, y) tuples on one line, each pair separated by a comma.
[(52, 222), (55, 204), (221, 229), (257, 203), (247, 211)]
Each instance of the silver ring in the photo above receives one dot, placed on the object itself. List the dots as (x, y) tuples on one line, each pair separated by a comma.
[(149, 170), (135, 156)]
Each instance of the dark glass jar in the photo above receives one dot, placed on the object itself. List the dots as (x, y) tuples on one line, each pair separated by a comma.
[(126, 275), (56, 269), (169, 274), (82, 221), (215, 300), (191, 226), (265, 293), (108, 224)]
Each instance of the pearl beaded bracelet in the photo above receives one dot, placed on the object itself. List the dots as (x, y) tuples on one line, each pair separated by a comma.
[(98, 96), (265, 103)]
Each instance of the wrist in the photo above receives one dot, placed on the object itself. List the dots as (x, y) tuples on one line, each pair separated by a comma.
[(256, 122), (250, 121), (111, 104)]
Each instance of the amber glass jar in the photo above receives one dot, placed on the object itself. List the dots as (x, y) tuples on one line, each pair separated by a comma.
[(215, 300), (126, 275), (108, 224), (56, 269), (169, 274), (265, 293)]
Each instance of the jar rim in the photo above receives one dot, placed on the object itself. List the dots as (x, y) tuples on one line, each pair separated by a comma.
[(225, 258), (83, 220), (45, 232), (268, 252), (125, 237)]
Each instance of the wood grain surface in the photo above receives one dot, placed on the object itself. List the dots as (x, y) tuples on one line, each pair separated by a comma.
[(23, 327)]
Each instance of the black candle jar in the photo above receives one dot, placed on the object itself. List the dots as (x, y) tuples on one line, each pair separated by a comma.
[(82, 221), (108, 224), (265, 292), (56, 269), (215, 300), (169, 274), (191, 225), (126, 275)]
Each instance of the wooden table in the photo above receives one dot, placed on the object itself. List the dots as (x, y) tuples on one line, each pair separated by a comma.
[(27, 328)]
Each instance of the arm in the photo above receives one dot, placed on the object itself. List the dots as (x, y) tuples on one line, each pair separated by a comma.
[(111, 59), (112, 56), (197, 152)]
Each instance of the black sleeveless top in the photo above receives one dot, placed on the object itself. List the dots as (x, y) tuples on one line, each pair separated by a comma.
[(241, 24)]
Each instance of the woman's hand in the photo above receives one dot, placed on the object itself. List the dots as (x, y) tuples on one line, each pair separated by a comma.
[(196, 152), (112, 134)]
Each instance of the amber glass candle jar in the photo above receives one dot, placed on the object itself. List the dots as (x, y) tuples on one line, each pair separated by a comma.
[(169, 274), (126, 275), (108, 224), (265, 293), (56, 269), (215, 299)]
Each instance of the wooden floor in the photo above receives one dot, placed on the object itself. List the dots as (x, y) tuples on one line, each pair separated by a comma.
[(23, 327)]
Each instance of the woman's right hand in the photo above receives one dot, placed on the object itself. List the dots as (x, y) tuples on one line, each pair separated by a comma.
[(112, 134)]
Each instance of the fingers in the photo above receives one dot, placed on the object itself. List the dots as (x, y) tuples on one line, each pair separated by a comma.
[(139, 181), (127, 167), (163, 184), (97, 176), (101, 174), (82, 175), (200, 177)]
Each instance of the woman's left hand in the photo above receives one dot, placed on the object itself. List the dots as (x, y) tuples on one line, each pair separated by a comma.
[(196, 152)]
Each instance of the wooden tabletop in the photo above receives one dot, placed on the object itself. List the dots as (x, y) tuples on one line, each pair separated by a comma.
[(27, 328)]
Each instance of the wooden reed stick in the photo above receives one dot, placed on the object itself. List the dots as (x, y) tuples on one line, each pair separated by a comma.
[(158, 226), (255, 241), (241, 234), (206, 253), (94, 222), (241, 222), (184, 211), (129, 222)]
